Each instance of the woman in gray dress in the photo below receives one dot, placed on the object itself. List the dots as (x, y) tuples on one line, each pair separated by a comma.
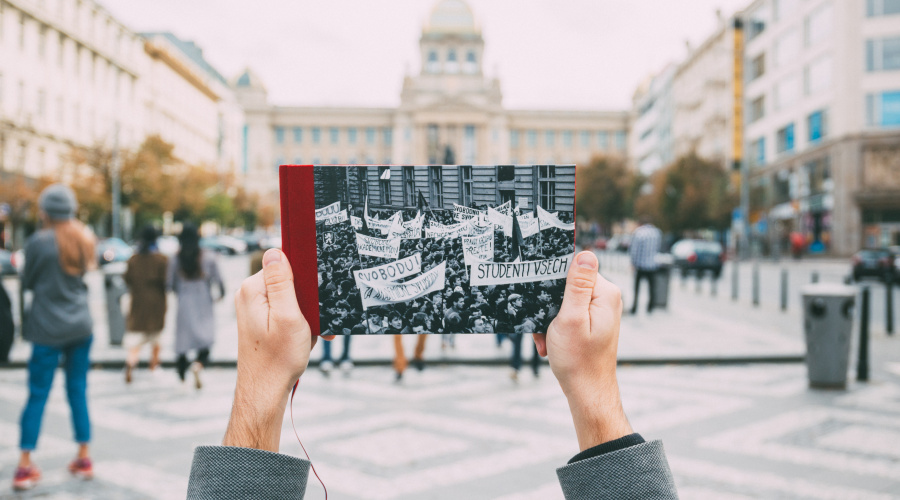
[(192, 276)]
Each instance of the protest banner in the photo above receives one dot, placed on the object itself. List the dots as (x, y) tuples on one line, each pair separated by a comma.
[(550, 220), (377, 247), (413, 228), (478, 248), (356, 222), (529, 227), (461, 213), (332, 209), (454, 231), (504, 273), (336, 218), (500, 220), (391, 271), (505, 209), (379, 293)]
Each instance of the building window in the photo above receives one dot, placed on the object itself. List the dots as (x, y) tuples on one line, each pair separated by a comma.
[(783, 8), (547, 186), (882, 7), (817, 76), (818, 25), (465, 179), (335, 134), (409, 186), (567, 138), (585, 139), (437, 186), (506, 173), (370, 135), (279, 135), (514, 138), (298, 160), (388, 136), (757, 21), (883, 110), (351, 135), (550, 138), (278, 162), (603, 140), (384, 184), (757, 108), (883, 54), (620, 140), (532, 138), (785, 139), (757, 66), (786, 48), (316, 135), (787, 91), (817, 124), (471, 64), (452, 65), (759, 152), (432, 65), (298, 135)]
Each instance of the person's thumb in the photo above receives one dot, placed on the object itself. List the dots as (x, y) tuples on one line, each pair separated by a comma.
[(279, 281), (579, 285)]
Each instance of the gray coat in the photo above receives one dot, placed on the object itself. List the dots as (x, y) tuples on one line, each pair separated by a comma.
[(59, 312), (638, 472), (195, 326)]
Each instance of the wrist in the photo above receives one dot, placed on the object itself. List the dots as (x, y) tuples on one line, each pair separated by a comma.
[(597, 413), (257, 414)]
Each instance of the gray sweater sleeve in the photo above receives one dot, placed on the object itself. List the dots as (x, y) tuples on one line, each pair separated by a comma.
[(227, 472), (639, 472)]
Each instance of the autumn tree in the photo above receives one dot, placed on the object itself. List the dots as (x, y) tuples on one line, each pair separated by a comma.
[(605, 191), (690, 194)]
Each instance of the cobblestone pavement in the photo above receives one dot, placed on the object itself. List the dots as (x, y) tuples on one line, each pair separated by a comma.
[(732, 432)]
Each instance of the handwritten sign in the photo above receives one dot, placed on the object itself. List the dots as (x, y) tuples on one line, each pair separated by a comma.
[(502, 273)]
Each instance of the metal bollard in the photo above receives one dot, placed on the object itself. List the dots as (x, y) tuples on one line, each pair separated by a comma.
[(755, 284), (862, 364), (698, 287), (889, 306), (784, 289), (713, 286), (734, 281), (848, 280), (815, 277)]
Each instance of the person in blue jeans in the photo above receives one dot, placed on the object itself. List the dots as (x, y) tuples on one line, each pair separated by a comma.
[(58, 325)]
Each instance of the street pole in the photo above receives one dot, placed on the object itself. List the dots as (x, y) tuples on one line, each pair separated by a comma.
[(116, 185), (889, 306), (862, 364)]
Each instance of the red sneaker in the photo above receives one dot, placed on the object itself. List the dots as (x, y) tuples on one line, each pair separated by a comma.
[(82, 468), (26, 478)]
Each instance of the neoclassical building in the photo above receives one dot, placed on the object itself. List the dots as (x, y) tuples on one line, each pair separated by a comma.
[(449, 113)]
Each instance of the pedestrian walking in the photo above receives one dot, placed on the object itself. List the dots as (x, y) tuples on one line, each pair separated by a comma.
[(58, 324), (7, 327), (645, 242), (146, 280), (193, 276)]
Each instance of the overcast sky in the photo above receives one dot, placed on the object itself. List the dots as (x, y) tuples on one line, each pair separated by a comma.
[(575, 54)]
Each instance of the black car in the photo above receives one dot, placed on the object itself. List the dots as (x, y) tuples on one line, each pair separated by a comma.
[(873, 263), (698, 256)]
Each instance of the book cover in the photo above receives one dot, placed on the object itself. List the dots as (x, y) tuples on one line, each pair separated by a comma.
[(428, 249)]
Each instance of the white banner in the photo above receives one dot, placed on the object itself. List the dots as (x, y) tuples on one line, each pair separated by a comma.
[(413, 228), (529, 227), (332, 209), (478, 248), (551, 220), (505, 209), (461, 213), (501, 220), (392, 271), (377, 247), (384, 293), (356, 222), (396, 229), (336, 218), (454, 231), (504, 273)]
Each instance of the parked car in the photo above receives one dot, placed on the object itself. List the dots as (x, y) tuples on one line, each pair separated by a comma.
[(698, 256), (7, 263), (873, 263), (619, 243), (112, 250), (253, 241), (270, 242), (223, 244)]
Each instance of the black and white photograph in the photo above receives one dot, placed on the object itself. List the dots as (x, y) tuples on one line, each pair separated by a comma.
[(442, 249)]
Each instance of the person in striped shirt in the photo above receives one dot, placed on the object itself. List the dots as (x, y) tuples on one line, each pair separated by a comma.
[(645, 242)]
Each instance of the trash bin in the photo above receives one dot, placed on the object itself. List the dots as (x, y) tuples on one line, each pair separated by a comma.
[(661, 280), (114, 283), (827, 323)]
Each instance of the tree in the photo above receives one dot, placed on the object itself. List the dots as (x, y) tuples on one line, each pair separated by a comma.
[(21, 194), (691, 193), (605, 191)]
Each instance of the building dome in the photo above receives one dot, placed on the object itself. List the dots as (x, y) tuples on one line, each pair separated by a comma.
[(451, 16), (248, 79)]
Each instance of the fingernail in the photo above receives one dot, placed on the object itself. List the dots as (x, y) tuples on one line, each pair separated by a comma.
[(587, 260), (272, 256)]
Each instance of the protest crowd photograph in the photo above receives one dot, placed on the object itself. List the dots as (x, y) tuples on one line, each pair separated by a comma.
[(442, 249)]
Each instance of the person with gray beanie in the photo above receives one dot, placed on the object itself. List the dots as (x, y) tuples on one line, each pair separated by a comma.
[(58, 325)]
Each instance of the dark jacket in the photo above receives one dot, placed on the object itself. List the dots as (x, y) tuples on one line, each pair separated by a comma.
[(146, 279)]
